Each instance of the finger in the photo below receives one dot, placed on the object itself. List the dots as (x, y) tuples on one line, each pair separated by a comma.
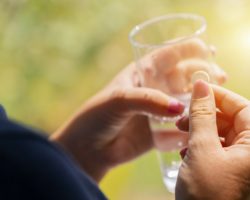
[(189, 66), (137, 132), (168, 56), (229, 102), (239, 127), (193, 48), (223, 124), (167, 140), (183, 124), (184, 150), (146, 100), (202, 121), (218, 75), (212, 49)]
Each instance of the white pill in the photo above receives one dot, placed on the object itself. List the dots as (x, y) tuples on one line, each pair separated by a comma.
[(200, 75)]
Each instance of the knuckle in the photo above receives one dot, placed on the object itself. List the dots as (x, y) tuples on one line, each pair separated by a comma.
[(202, 110), (117, 97), (147, 96), (243, 137), (154, 96), (243, 141), (194, 144), (117, 93)]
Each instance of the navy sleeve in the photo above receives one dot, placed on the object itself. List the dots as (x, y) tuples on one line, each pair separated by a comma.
[(2, 113), (33, 168)]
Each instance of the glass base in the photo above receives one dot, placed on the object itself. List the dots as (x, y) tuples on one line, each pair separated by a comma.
[(170, 175)]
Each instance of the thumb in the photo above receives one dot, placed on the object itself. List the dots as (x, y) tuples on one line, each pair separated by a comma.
[(202, 121)]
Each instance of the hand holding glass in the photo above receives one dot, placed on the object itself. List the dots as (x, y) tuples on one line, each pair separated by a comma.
[(168, 50)]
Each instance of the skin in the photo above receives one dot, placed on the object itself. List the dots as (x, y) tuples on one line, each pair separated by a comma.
[(111, 128), (163, 67), (216, 164)]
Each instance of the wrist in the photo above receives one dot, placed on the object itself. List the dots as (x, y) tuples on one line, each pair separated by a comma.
[(83, 156)]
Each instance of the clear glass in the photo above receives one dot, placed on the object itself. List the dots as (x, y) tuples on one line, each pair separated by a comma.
[(162, 34)]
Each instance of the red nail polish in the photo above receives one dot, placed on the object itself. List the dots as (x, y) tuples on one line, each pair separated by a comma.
[(223, 144), (180, 120), (183, 152)]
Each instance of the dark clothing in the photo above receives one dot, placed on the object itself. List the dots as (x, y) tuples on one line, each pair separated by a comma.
[(32, 168), (2, 113)]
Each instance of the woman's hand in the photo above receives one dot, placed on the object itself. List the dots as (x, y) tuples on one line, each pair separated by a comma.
[(170, 68), (217, 162), (111, 128)]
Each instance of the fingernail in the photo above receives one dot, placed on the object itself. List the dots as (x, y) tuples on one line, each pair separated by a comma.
[(223, 144), (200, 75), (200, 89), (183, 152), (177, 123), (175, 107)]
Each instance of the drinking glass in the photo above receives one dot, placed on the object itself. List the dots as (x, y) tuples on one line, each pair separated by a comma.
[(168, 50)]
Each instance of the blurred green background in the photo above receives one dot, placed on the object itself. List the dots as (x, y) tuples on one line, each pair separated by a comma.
[(54, 54)]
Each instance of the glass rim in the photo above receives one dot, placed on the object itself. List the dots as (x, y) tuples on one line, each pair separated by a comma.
[(147, 23)]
